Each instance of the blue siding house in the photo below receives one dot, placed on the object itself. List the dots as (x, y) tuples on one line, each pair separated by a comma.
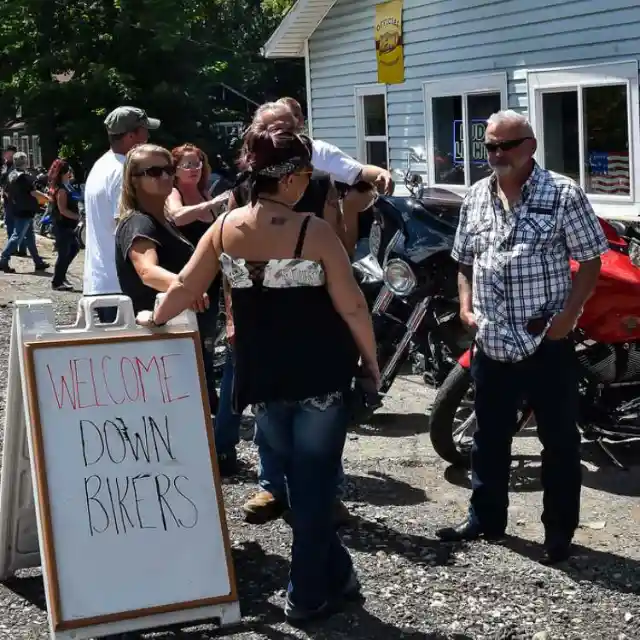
[(570, 65)]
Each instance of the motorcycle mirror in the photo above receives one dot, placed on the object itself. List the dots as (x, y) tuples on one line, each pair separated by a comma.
[(415, 180)]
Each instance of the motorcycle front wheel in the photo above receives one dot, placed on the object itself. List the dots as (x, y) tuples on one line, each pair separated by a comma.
[(453, 420)]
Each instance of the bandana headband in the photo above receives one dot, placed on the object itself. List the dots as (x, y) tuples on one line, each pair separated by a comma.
[(282, 169)]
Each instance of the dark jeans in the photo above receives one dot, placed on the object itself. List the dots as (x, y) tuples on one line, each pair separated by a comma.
[(227, 422), (22, 234), (271, 474), (9, 223), (548, 381), (107, 315), (68, 248), (207, 328), (308, 442)]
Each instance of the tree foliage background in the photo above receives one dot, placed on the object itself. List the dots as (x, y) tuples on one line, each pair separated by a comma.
[(169, 57)]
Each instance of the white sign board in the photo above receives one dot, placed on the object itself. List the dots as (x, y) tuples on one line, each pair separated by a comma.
[(130, 513)]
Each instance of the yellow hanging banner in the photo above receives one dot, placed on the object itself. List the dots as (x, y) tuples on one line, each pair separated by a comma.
[(389, 45)]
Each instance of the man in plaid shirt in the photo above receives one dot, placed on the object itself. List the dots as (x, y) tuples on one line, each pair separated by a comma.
[(518, 228)]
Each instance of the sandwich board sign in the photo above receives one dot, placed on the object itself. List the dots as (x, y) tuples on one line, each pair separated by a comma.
[(109, 450)]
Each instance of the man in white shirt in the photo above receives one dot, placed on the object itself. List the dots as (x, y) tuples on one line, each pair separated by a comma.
[(330, 159), (127, 127)]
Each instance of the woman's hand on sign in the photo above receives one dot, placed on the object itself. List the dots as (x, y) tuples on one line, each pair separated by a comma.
[(145, 318), (201, 304)]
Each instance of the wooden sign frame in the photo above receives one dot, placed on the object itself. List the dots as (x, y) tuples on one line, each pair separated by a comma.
[(48, 542)]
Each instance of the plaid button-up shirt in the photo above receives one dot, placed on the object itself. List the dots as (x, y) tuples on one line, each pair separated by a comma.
[(520, 258)]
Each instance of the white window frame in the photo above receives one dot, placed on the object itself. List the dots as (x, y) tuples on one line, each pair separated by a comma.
[(361, 91), (462, 86), (541, 81)]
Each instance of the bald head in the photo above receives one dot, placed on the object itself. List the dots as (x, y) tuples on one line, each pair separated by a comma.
[(510, 121)]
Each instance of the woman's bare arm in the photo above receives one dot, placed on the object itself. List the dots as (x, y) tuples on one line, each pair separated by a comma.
[(333, 215), (183, 215), (346, 295), (144, 258), (62, 200), (193, 281)]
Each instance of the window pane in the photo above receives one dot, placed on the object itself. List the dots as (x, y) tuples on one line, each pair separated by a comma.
[(479, 108), (375, 117), (606, 137), (561, 139), (448, 154), (377, 154)]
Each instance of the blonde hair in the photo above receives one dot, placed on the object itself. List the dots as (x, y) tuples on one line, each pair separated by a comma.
[(128, 199)]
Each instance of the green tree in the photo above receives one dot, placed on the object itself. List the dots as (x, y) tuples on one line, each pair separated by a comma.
[(168, 57)]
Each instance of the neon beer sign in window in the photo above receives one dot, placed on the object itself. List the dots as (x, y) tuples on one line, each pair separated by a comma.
[(478, 150)]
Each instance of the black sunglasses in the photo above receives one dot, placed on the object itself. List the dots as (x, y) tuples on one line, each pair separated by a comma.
[(156, 172), (505, 145)]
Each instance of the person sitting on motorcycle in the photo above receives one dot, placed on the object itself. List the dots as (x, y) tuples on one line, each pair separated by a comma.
[(296, 348), (64, 212), (517, 230)]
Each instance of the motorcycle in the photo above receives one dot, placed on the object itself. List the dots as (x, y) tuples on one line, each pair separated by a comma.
[(607, 344), (415, 315)]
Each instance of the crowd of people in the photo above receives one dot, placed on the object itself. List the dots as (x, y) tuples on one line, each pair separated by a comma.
[(278, 248)]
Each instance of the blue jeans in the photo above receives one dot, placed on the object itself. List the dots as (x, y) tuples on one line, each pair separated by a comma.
[(307, 440), (271, 476), (9, 221), (22, 233), (68, 247), (227, 422)]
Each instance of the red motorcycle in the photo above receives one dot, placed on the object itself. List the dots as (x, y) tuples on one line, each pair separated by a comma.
[(607, 343)]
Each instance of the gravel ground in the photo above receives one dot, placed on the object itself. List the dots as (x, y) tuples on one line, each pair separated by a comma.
[(399, 492)]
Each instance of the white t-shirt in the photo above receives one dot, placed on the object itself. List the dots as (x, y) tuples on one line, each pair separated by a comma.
[(101, 201), (329, 159)]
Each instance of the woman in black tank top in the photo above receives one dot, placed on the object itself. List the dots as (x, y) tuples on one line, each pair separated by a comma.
[(301, 323)]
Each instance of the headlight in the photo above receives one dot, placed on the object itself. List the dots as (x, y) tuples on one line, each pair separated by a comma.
[(399, 277), (375, 239)]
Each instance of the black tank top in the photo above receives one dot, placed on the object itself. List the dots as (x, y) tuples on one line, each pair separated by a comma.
[(290, 342), (312, 201)]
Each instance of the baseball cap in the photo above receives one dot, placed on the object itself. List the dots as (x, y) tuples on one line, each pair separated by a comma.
[(126, 119)]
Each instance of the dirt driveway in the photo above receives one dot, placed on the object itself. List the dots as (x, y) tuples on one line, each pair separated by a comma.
[(399, 492)]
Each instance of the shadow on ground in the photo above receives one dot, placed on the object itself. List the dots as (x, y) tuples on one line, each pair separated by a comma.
[(380, 489), (601, 568), (394, 425), (260, 576)]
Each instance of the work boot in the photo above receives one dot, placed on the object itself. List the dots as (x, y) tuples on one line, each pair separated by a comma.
[(262, 508)]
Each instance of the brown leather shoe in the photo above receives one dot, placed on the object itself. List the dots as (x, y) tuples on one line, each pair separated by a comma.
[(262, 508)]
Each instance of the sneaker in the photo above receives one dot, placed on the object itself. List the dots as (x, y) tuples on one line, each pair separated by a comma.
[(6, 268), (263, 507), (228, 464), (62, 287), (22, 253), (41, 266)]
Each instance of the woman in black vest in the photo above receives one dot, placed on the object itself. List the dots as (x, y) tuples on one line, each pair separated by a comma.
[(300, 324), (64, 205)]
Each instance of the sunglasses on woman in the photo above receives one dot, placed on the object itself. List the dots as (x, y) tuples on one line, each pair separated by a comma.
[(190, 165), (156, 172)]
